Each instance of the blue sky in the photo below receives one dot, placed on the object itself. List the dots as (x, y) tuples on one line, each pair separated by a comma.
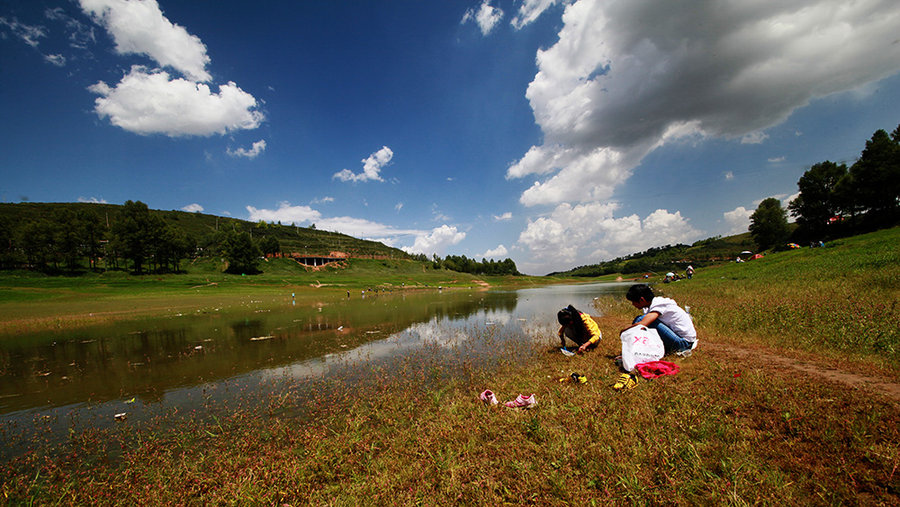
[(556, 133)]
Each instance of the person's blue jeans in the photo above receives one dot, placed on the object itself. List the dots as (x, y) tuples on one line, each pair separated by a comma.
[(671, 341)]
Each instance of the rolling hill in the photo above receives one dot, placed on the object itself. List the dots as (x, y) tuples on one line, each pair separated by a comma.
[(303, 240)]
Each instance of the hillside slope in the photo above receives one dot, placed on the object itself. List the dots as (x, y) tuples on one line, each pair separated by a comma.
[(303, 240), (670, 257)]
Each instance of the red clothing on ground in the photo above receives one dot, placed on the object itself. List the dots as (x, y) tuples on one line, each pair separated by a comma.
[(655, 369)]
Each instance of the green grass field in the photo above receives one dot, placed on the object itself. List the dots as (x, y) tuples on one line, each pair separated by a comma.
[(841, 301), (32, 301), (791, 398)]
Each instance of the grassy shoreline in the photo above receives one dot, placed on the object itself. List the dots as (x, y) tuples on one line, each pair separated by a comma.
[(729, 428), (33, 302)]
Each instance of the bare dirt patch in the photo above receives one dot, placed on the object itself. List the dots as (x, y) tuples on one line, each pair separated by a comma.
[(881, 386)]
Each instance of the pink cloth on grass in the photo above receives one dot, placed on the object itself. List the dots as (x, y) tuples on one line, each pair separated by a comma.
[(655, 369)]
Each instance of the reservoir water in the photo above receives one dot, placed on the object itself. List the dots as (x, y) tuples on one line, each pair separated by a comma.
[(60, 381)]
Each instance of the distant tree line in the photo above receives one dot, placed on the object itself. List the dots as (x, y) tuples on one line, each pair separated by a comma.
[(662, 258), (463, 264), (137, 240), (837, 201), (666, 258), (134, 239), (59, 243)]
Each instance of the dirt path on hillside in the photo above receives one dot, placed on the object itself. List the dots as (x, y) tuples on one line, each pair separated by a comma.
[(881, 386)]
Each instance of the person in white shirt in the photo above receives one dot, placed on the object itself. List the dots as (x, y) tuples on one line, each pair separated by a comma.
[(674, 325)]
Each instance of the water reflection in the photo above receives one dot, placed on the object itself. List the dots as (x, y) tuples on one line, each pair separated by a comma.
[(148, 358), (174, 361)]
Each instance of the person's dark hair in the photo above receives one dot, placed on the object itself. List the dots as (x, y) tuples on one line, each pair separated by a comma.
[(638, 291), (567, 315)]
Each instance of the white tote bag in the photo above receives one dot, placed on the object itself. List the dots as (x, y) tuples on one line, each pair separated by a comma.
[(640, 344)]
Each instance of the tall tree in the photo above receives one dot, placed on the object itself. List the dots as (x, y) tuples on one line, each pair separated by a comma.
[(92, 232), (132, 233), (171, 245), (67, 235), (269, 245), (7, 251), (35, 238), (183, 247), (818, 201), (876, 176), (241, 253), (768, 224)]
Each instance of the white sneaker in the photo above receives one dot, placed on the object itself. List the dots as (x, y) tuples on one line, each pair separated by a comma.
[(688, 352)]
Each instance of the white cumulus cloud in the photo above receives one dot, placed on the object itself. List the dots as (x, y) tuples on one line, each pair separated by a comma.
[(285, 214), (92, 200), (589, 233), (254, 151), (152, 103), (351, 226), (738, 220), (365, 229), (372, 166), (437, 241), (193, 208), (494, 253), (581, 176), (504, 217), (626, 77), (139, 27), (149, 101), (486, 17)]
